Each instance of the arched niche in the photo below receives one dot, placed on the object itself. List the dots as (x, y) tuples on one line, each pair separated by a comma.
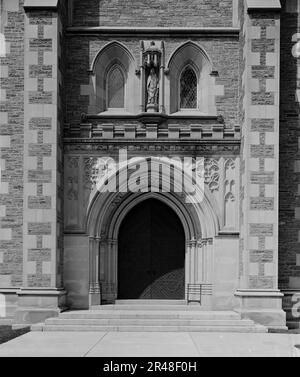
[(112, 55), (191, 55)]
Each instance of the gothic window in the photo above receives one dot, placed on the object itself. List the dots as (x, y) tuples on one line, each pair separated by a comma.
[(115, 88), (188, 89)]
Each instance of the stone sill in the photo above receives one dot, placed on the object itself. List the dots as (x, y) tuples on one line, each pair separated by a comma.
[(155, 118), (41, 291), (258, 293), (9, 290)]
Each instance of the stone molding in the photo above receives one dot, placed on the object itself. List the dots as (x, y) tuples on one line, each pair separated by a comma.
[(258, 293), (191, 130), (40, 4), (263, 5), (211, 147), (138, 32)]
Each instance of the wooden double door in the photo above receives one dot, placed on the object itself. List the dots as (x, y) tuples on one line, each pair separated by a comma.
[(151, 253)]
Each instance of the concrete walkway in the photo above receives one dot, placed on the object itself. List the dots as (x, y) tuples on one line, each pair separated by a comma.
[(74, 344)]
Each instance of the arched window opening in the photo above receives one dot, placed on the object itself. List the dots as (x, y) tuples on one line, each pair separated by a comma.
[(188, 89), (115, 88)]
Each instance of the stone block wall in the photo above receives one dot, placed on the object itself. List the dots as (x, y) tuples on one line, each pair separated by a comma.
[(11, 142), (161, 13), (289, 237), (82, 50)]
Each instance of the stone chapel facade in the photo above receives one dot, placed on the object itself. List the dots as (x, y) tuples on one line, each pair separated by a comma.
[(83, 81)]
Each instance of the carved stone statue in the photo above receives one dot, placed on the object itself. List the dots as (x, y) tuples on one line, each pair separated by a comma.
[(152, 89)]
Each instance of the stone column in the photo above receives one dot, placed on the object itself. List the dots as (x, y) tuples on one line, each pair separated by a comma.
[(94, 292), (193, 265), (258, 297), (112, 270), (200, 262), (187, 265), (162, 81), (204, 261), (143, 80), (91, 278), (42, 295), (97, 262)]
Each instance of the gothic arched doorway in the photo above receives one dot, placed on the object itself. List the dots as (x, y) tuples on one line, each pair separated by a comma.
[(151, 253)]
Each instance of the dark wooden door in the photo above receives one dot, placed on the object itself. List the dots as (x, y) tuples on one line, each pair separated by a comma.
[(151, 253)]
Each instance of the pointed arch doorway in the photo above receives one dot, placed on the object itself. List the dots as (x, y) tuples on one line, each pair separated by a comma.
[(151, 253)]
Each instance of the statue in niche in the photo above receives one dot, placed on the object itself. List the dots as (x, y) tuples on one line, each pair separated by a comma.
[(152, 89)]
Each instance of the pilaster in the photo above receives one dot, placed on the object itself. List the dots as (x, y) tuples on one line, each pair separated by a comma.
[(42, 217), (259, 297), (11, 145)]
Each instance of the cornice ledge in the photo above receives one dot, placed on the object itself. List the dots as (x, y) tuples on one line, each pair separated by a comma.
[(40, 4), (154, 117), (77, 140), (263, 5), (172, 31)]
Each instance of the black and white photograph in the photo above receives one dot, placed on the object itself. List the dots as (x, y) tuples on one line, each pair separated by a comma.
[(149, 181)]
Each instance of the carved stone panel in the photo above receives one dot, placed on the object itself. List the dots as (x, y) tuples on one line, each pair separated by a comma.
[(230, 195), (71, 192), (212, 174)]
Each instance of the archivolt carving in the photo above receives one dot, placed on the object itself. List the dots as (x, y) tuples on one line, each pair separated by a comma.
[(229, 180), (88, 164), (212, 174), (72, 193), (72, 179), (96, 169), (118, 199), (73, 162), (230, 194), (229, 164)]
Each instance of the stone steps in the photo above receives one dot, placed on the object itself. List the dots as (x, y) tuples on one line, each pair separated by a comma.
[(137, 328), (142, 314), (145, 316), (147, 322), (152, 302), (137, 307)]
